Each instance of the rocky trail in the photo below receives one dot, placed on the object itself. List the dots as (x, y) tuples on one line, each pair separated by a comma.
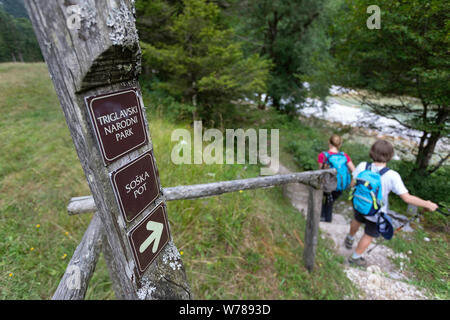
[(382, 279)]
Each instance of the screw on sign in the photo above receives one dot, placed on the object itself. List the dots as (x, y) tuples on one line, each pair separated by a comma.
[(149, 237), (118, 122), (136, 186)]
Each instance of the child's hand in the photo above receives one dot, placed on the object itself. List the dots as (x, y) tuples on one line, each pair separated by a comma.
[(431, 206)]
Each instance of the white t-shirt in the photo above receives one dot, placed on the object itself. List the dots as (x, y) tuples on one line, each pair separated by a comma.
[(390, 181)]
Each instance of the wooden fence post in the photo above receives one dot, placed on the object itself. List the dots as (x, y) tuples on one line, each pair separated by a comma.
[(114, 274), (92, 51), (74, 283), (312, 226)]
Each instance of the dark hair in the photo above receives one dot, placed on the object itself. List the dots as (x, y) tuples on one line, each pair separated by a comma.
[(381, 151)]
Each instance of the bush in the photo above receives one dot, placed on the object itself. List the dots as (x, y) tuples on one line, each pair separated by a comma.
[(305, 152), (434, 187), (162, 103), (357, 152)]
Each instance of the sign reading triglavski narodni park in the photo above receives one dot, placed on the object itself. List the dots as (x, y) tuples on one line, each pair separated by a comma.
[(149, 237), (136, 186), (118, 122)]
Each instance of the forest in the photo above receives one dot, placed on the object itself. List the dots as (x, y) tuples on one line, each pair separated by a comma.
[(206, 54), (17, 39), (203, 56)]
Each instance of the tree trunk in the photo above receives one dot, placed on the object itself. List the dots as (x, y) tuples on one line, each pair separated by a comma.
[(426, 151), (276, 101)]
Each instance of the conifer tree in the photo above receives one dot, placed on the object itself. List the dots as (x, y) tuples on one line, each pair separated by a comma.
[(204, 65)]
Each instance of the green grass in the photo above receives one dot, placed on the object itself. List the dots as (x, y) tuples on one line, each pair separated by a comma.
[(428, 260), (243, 245)]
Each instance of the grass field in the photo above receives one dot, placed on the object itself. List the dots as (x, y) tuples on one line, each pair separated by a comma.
[(244, 245)]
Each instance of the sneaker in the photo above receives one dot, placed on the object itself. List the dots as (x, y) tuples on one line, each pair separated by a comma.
[(348, 242), (360, 262)]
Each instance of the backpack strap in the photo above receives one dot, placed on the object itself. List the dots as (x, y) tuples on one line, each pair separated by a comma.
[(383, 171), (342, 153), (327, 156)]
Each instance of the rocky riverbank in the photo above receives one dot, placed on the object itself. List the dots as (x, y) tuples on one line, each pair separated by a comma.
[(367, 126)]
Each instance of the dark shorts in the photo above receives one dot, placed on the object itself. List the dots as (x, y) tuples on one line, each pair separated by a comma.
[(370, 227)]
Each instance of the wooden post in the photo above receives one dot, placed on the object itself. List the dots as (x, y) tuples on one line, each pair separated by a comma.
[(74, 283), (114, 274), (92, 48), (312, 227)]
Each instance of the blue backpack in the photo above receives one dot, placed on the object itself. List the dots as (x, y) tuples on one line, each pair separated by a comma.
[(339, 162), (367, 194)]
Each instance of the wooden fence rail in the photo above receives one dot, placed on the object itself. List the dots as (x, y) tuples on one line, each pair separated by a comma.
[(320, 179), (75, 281)]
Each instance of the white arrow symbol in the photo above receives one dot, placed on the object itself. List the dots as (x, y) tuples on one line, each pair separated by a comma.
[(157, 229)]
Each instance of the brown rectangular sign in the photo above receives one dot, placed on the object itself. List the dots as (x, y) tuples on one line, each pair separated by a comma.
[(118, 122), (149, 237), (136, 186)]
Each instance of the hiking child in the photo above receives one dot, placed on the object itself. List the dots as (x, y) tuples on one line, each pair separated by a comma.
[(364, 176), (333, 158)]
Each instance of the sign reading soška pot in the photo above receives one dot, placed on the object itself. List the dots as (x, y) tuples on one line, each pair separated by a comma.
[(136, 186)]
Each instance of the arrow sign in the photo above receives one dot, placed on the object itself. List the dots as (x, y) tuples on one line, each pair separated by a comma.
[(149, 237), (157, 229)]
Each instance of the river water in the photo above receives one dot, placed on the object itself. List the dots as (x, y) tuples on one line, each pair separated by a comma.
[(344, 110)]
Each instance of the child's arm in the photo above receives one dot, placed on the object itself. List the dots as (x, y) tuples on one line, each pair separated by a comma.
[(355, 171), (351, 166), (416, 201)]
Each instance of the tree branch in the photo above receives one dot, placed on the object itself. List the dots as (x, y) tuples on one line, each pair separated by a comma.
[(439, 164)]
